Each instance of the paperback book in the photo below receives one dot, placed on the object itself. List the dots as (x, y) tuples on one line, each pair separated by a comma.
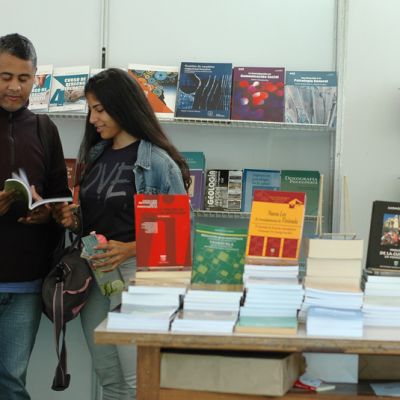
[(67, 89), (20, 184), (275, 227), (218, 255), (162, 231), (384, 242), (204, 90), (194, 159), (254, 179), (159, 83), (223, 190), (40, 95), (311, 97), (303, 181), (258, 94)]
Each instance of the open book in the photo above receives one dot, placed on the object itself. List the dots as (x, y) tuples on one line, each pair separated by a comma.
[(19, 182)]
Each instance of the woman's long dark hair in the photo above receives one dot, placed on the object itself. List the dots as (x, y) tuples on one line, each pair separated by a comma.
[(124, 100)]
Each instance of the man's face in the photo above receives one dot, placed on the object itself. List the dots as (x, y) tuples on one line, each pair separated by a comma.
[(16, 81)]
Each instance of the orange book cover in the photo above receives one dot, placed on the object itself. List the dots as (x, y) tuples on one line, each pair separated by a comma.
[(275, 227), (162, 231)]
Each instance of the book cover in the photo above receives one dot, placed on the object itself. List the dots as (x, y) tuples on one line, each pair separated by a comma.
[(275, 227), (303, 181), (67, 89), (40, 96), (383, 243), (258, 94), (20, 184), (254, 179), (311, 97), (162, 231), (223, 190), (270, 325), (70, 163), (218, 254), (194, 159), (159, 84), (204, 90), (334, 248), (196, 189)]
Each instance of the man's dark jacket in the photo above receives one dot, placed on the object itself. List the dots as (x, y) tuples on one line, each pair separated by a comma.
[(25, 249)]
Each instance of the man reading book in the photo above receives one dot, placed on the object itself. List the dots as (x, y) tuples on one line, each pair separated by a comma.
[(27, 237)]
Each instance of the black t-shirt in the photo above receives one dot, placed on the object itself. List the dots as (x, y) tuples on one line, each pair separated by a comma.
[(107, 195)]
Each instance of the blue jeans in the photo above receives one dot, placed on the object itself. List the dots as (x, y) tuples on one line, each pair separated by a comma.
[(115, 366), (20, 315)]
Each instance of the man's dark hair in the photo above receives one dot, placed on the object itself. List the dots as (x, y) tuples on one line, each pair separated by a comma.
[(18, 46)]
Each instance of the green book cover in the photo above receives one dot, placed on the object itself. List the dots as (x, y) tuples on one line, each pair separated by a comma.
[(268, 322), (307, 182), (218, 255)]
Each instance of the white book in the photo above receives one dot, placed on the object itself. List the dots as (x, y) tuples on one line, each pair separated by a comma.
[(40, 95), (153, 289), (20, 184), (67, 89)]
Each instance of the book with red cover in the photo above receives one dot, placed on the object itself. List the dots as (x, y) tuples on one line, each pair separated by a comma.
[(162, 231), (275, 227)]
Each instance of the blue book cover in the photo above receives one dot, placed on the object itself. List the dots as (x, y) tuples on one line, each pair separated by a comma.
[(204, 90), (311, 97), (254, 179), (194, 159), (196, 189)]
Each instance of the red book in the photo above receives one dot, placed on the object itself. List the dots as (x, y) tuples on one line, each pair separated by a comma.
[(162, 231)]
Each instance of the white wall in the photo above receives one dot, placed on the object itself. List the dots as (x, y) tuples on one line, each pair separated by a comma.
[(371, 126)]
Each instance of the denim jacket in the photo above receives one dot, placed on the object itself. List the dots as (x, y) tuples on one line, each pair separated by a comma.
[(155, 171)]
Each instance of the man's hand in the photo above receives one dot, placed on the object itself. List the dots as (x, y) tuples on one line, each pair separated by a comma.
[(39, 215), (6, 198)]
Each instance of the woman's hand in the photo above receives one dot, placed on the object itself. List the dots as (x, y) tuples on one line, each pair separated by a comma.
[(6, 198), (115, 254)]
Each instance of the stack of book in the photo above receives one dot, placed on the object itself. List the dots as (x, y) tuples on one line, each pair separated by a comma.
[(270, 306), (146, 308), (382, 301), (208, 311), (333, 286)]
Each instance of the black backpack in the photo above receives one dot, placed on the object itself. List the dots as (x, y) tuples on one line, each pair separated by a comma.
[(67, 286)]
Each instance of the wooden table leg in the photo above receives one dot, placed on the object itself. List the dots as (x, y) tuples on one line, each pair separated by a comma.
[(148, 373)]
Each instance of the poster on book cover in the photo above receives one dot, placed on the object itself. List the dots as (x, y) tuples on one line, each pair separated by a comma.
[(162, 231), (384, 238), (40, 95), (67, 89), (204, 90), (159, 83), (258, 94), (311, 97)]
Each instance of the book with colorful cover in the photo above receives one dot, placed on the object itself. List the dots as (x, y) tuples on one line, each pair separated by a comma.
[(258, 94), (223, 190), (303, 181), (162, 231), (275, 227), (159, 84), (254, 179), (311, 97), (384, 237), (40, 96), (218, 255), (204, 90), (67, 89), (71, 163)]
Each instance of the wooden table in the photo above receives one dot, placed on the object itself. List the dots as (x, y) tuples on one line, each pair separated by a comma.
[(150, 345)]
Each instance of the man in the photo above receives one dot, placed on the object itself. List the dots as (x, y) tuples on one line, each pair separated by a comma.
[(26, 238)]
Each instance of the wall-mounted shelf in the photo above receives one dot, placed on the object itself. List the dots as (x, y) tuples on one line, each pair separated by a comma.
[(220, 123)]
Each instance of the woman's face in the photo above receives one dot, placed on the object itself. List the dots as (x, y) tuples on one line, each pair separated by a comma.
[(105, 125)]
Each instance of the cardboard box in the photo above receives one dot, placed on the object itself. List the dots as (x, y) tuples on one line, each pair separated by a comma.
[(269, 374), (379, 367)]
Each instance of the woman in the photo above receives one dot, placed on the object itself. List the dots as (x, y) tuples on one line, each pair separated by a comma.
[(125, 151)]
